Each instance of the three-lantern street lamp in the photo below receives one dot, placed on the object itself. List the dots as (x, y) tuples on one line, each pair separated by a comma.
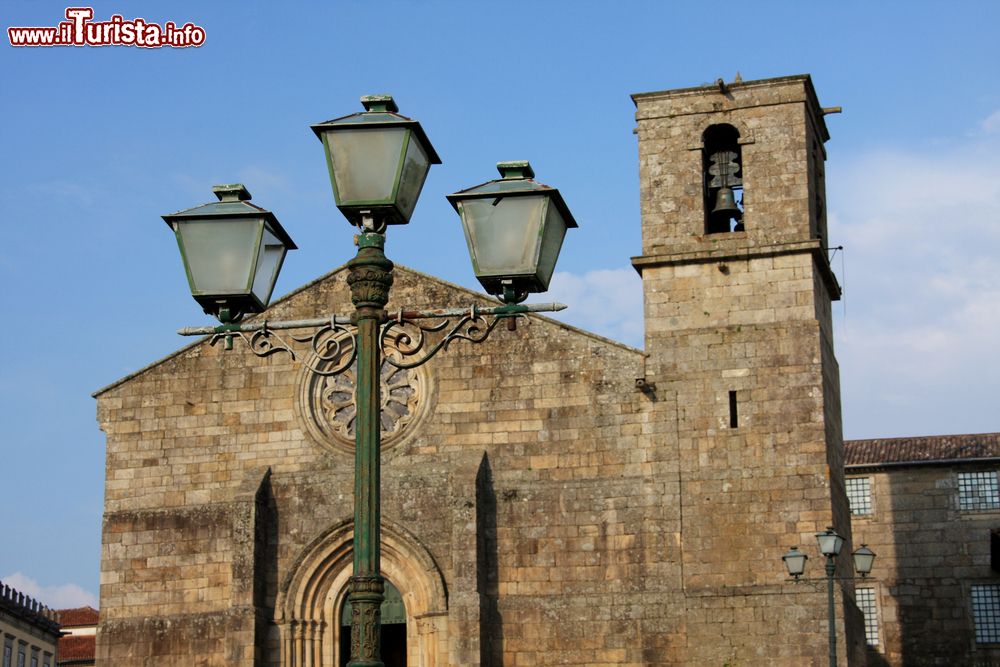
[(378, 162), (830, 544)]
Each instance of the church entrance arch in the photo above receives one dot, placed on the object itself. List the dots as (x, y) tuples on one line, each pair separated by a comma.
[(311, 599)]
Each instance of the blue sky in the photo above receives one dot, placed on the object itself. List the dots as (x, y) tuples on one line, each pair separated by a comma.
[(99, 142)]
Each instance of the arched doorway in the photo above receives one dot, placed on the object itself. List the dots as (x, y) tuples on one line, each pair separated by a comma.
[(311, 599), (393, 629)]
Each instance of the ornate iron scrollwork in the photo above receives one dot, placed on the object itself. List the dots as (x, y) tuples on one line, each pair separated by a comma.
[(409, 338)]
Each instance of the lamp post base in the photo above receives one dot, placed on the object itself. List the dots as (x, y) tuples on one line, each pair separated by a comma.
[(365, 593)]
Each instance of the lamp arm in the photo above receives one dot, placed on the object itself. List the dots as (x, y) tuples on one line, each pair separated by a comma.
[(823, 580), (333, 320), (408, 343), (334, 338)]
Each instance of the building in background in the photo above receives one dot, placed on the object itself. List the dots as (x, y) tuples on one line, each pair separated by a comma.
[(29, 631), (930, 508), (79, 627)]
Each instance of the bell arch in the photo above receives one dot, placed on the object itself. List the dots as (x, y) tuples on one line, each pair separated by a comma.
[(311, 596)]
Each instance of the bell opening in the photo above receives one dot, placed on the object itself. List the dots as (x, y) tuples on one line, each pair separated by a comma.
[(723, 179)]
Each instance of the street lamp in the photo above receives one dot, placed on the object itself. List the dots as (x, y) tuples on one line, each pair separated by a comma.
[(795, 561), (830, 544), (514, 227), (378, 162), (864, 558), (232, 252)]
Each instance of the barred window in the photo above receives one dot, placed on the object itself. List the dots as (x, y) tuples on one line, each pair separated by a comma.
[(866, 603), (978, 491), (859, 495), (986, 613)]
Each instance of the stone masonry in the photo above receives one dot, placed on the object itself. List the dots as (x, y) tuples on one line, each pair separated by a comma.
[(934, 545), (538, 507), (738, 329)]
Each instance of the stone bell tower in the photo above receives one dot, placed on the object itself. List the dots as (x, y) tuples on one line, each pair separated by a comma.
[(738, 292)]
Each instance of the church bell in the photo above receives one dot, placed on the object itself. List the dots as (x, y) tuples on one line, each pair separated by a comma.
[(725, 203)]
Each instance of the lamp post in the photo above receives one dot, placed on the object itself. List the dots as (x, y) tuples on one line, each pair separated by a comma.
[(378, 162), (830, 544)]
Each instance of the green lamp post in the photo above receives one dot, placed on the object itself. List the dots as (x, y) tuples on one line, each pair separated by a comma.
[(378, 162), (830, 544)]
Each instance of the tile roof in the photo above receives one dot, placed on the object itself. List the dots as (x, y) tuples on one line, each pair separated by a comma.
[(923, 449), (76, 648), (76, 617)]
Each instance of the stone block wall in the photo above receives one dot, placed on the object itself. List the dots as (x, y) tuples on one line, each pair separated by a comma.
[(779, 122), (739, 334), (580, 469), (930, 553)]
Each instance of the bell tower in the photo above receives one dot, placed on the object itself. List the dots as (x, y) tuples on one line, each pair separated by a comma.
[(738, 291)]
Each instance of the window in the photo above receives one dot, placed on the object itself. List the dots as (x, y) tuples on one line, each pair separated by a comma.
[(734, 420), (859, 495), (722, 162), (978, 491), (20, 655), (986, 613), (866, 603), (8, 652)]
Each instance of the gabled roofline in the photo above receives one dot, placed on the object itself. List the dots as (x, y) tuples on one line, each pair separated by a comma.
[(472, 294)]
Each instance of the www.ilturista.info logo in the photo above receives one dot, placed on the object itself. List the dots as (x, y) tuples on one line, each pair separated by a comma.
[(80, 30)]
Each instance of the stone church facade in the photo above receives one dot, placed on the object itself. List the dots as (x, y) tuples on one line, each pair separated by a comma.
[(549, 496)]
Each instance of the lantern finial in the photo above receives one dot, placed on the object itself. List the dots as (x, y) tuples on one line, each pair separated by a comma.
[(231, 192), (515, 169), (383, 103)]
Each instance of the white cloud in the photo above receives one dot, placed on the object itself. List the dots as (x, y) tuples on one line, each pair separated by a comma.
[(922, 289), (992, 122), (605, 301), (65, 596)]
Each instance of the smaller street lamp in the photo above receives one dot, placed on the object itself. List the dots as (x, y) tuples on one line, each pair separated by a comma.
[(795, 561), (232, 252), (830, 545), (864, 558), (514, 227)]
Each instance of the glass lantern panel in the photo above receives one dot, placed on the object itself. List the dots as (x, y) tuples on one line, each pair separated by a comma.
[(415, 168), (864, 558), (830, 543), (552, 239), (269, 259), (219, 254), (795, 561), (365, 162), (503, 234)]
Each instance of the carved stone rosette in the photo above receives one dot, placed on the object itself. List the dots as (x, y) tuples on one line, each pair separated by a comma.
[(326, 408)]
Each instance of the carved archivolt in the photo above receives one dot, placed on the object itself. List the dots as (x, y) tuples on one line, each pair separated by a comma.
[(312, 595)]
